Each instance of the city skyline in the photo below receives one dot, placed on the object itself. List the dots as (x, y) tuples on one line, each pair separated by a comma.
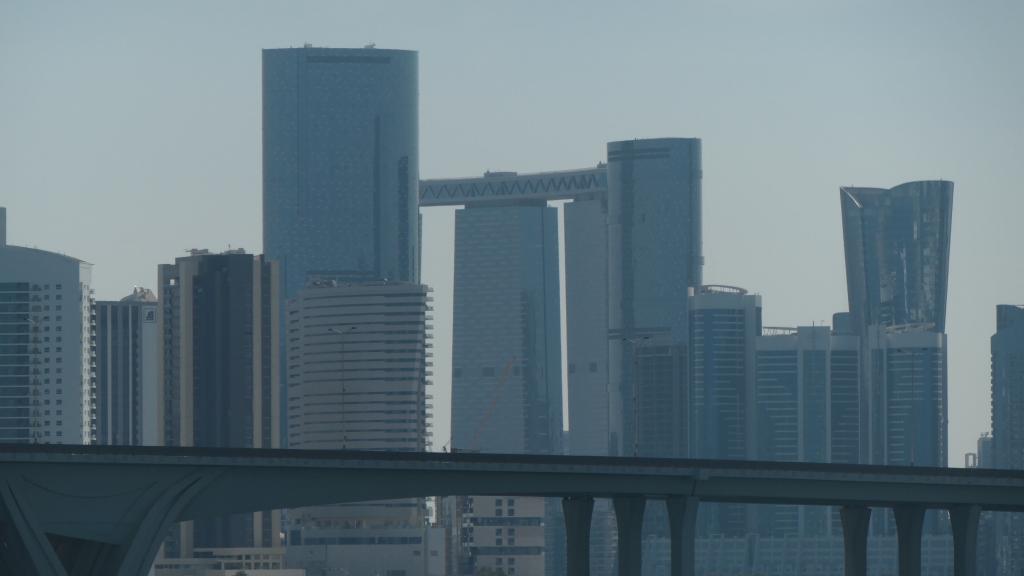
[(783, 289)]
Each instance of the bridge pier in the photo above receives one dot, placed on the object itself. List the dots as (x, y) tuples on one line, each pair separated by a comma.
[(682, 521), (629, 520), (909, 524), (856, 521), (964, 519), (578, 511)]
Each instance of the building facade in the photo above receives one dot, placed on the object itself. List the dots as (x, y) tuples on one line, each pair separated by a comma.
[(341, 164), (586, 317), (506, 370), (358, 368), (908, 397), (47, 339), (897, 271), (654, 257), (127, 364), (219, 380), (1007, 441), (724, 325), (807, 402), (897, 253)]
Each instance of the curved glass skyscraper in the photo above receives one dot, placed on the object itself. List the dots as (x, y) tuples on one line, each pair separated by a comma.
[(341, 164), (897, 253)]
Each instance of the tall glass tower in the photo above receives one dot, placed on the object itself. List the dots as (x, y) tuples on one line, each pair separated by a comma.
[(897, 253), (654, 257), (341, 164)]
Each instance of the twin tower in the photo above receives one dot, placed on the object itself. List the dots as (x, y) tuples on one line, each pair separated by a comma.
[(341, 199)]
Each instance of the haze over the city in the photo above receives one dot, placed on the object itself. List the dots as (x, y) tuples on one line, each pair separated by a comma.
[(130, 133)]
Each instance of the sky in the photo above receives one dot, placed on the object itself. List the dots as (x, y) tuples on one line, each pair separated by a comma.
[(130, 131)]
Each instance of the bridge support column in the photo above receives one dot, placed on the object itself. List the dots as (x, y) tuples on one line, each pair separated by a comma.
[(682, 520), (909, 523), (856, 521), (629, 519), (964, 519), (578, 511)]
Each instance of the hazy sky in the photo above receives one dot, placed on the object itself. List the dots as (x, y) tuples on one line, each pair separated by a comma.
[(130, 131)]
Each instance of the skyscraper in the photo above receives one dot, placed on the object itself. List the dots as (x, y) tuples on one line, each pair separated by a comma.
[(897, 253), (341, 164), (1008, 427), (897, 270), (127, 361), (807, 401), (506, 343), (725, 322), (358, 357), (909, 397), (586, 316), (506, 369), (219, 381), (654, 257), (47, 361)]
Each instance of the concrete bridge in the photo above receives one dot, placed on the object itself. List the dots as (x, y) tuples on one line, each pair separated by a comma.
[(98, 510)]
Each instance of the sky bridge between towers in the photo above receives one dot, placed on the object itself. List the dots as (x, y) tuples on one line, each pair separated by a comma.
[(504, 187)]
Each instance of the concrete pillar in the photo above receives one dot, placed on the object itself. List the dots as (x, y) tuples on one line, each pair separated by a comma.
[(856, 521), (682, 520), (578, 511), (964, 519), (629, 519), (909, 522)]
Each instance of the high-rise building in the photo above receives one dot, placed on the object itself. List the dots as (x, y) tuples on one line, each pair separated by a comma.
[(908, 397), (358, 358), (806, 395), (1008, 427), (506, 342), (127, 364), (506, 369), (897, 270), (897, 253), (341, 164), (654, 257), (219, 380), (586, 317), (724, 325), (585, 222), (47, 359)]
